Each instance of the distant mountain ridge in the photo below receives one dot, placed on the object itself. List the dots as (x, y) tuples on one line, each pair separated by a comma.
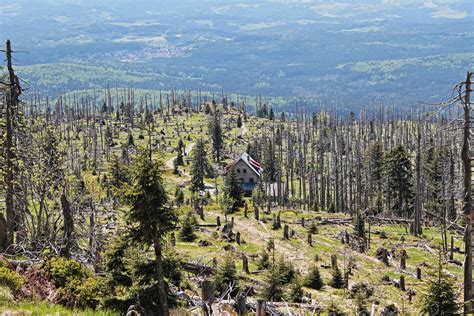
[(330, 52)]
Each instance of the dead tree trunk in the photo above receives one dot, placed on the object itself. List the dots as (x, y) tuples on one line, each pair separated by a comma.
[(466, 160), (68, 226), (12, 95)]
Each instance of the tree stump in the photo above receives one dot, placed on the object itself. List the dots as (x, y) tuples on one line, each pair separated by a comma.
[(3, 233), (402, 283), (403, 265), (451, 250), (207, 291), (418, 273), (310, 239), (333, 261), (302, 222), (285, 232), (245, 264), (173, 239), (241, 303), (261, 308), (218, 221), (237, 238)]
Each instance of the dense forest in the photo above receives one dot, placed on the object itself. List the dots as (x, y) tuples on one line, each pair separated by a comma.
[(115, 201)]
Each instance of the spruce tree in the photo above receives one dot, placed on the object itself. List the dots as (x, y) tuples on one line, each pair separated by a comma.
[(199, 166), (441, 296), (233, 190), (118, 172), (149, 215), (296, 291), (179, 157), (374, 168), (273, 291), (226, 275), (337, 281), (239, 121), (188, 227), (313, 278), (360, 225), (215, 131), (179, 196), (399, 174)]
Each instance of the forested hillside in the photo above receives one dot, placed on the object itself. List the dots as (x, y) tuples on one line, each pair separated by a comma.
[(337, 53), (120, 201)]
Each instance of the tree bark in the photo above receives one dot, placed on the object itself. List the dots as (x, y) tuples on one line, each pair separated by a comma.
[(162, 296)]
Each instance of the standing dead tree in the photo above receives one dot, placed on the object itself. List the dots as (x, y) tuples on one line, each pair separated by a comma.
[(13, 92)]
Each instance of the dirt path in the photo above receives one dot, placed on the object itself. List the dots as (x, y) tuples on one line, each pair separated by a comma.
[(170, 163), (245, 129)]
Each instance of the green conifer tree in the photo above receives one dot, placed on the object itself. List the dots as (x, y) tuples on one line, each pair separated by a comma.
[(149, 216), (188, 227), (199, 166), (226, 275), (441, 296), (233, 190), (313, 278), (337, 281)]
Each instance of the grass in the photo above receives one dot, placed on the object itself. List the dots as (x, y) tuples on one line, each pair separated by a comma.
[(8, 305)]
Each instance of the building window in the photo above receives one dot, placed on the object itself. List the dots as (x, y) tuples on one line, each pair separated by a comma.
[(244, 170), (251, 180), (238, 170)]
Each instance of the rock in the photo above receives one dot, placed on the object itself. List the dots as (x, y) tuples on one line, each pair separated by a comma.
[(204, 243), (361, 288), (135, 310), (390, 310), (382, 255), (228, 248)]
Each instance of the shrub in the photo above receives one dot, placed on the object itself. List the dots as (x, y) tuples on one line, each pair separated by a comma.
[(313, 229), (9, 278), (361, 288), (88, 293), (334, 309), (63, 270)]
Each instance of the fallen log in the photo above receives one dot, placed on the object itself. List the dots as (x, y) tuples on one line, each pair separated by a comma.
[(449, 223), (390, 220), (202, 269)]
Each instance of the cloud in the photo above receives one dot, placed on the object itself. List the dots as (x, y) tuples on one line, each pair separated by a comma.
[(429, 4), (448, 13)]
